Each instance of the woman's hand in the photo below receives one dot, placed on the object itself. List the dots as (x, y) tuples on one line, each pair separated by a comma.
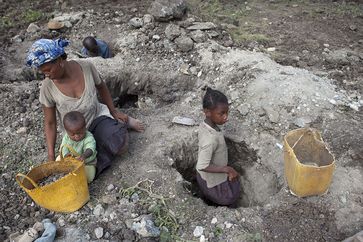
[(120, 116), (232, 174)]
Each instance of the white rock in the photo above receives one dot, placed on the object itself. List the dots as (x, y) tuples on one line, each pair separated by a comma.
[(354, 106), (32, 28), (110, 187), (214, 220), (228, 225), (271, 49), (146, 227), (99, 232), (332, 101), (16, 39), (184, 121), (21, 130), (156, 37), (61, 222), (98, 210), (148, 18), (136, 22), (198, 231), (202, 238)]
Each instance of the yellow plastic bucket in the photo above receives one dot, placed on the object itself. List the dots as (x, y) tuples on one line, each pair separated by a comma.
[(309, 165), (67, 194)]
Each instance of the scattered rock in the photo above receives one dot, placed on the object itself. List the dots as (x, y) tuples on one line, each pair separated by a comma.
[(272, 114), (165, 10), (156, 37), (146, 227), (136, 22), (55, 25), (214, 220), (302, 122), (184, 43), (213, 34), (110, 187), (353, 27), (184, 121), (172, 31), (21, 130), (243, 109), (61, 222), (148, 19), (198, 36), (32, 28), (128, 41), (135, 197), (198, 231), (202, 26), (99, 232), (98, 210), (71, 17), (184, 68), (16, 39)]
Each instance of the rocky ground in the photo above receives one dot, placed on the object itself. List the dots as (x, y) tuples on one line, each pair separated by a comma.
[(282, 64)]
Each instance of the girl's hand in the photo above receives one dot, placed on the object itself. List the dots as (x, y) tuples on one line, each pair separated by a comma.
[(232, 174), (80, 158), (120, 116)]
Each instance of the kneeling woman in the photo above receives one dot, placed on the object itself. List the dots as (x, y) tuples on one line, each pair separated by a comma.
[(73, 86), (217, 181)]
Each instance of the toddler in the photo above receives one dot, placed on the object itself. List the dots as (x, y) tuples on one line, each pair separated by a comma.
[(217, 181), (81, 140)]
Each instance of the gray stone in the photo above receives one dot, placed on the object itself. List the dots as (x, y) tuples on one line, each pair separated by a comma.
[(136, 22), (198, 36), (110, 187), (353, 27), (67, 24), (99, 232), (202, 26), (32, 28), (337, 56), (16, 39), (98, 210), (148, 19), (134, 197), (165, 10), (198, 231), (146, 227), (21, 130), (184, 121), (243, 109), (213, 34), (272, 114), (72, 17), (128, 41), (156, 37), (302, 122), (184, 43), (172, 31)]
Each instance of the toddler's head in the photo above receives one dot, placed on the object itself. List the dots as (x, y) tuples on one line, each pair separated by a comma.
[(215, 106), (75, 125)]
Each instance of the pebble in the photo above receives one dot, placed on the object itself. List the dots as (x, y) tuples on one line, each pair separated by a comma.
[(98, 210), (343, 199), (135, 197), (156, 37), (353, 27), (198, 231), (271, 49), (354, 107), (202, 238), (61, 222), (16, 39), (99, 232), (21, 130), (214, 220), (136, 22), (32, 28), (228, 225), (110, 187)]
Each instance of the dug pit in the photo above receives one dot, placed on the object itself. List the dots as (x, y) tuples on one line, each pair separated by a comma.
[(258, 182)]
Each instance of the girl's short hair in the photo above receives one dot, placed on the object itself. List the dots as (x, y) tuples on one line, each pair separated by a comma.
[(212, 98)]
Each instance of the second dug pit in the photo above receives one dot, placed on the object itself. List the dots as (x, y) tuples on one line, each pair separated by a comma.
[(258, 183)]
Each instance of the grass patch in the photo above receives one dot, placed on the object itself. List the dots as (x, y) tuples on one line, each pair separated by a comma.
[(239, 36), (164, 217), (343, 9), (6, 22), (32, 15)]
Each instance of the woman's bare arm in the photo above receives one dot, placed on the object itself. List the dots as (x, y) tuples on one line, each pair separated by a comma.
[(50, 128), (107, 99)]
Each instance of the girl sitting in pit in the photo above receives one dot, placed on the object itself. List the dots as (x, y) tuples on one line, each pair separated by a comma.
[(217, 181)]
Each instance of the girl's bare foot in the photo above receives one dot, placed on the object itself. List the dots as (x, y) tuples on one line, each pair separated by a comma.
[(136, 124)]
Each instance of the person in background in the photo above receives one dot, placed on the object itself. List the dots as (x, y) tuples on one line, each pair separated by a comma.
[(95, 47)]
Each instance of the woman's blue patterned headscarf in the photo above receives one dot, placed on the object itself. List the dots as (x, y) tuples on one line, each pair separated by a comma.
[(45, 50)]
